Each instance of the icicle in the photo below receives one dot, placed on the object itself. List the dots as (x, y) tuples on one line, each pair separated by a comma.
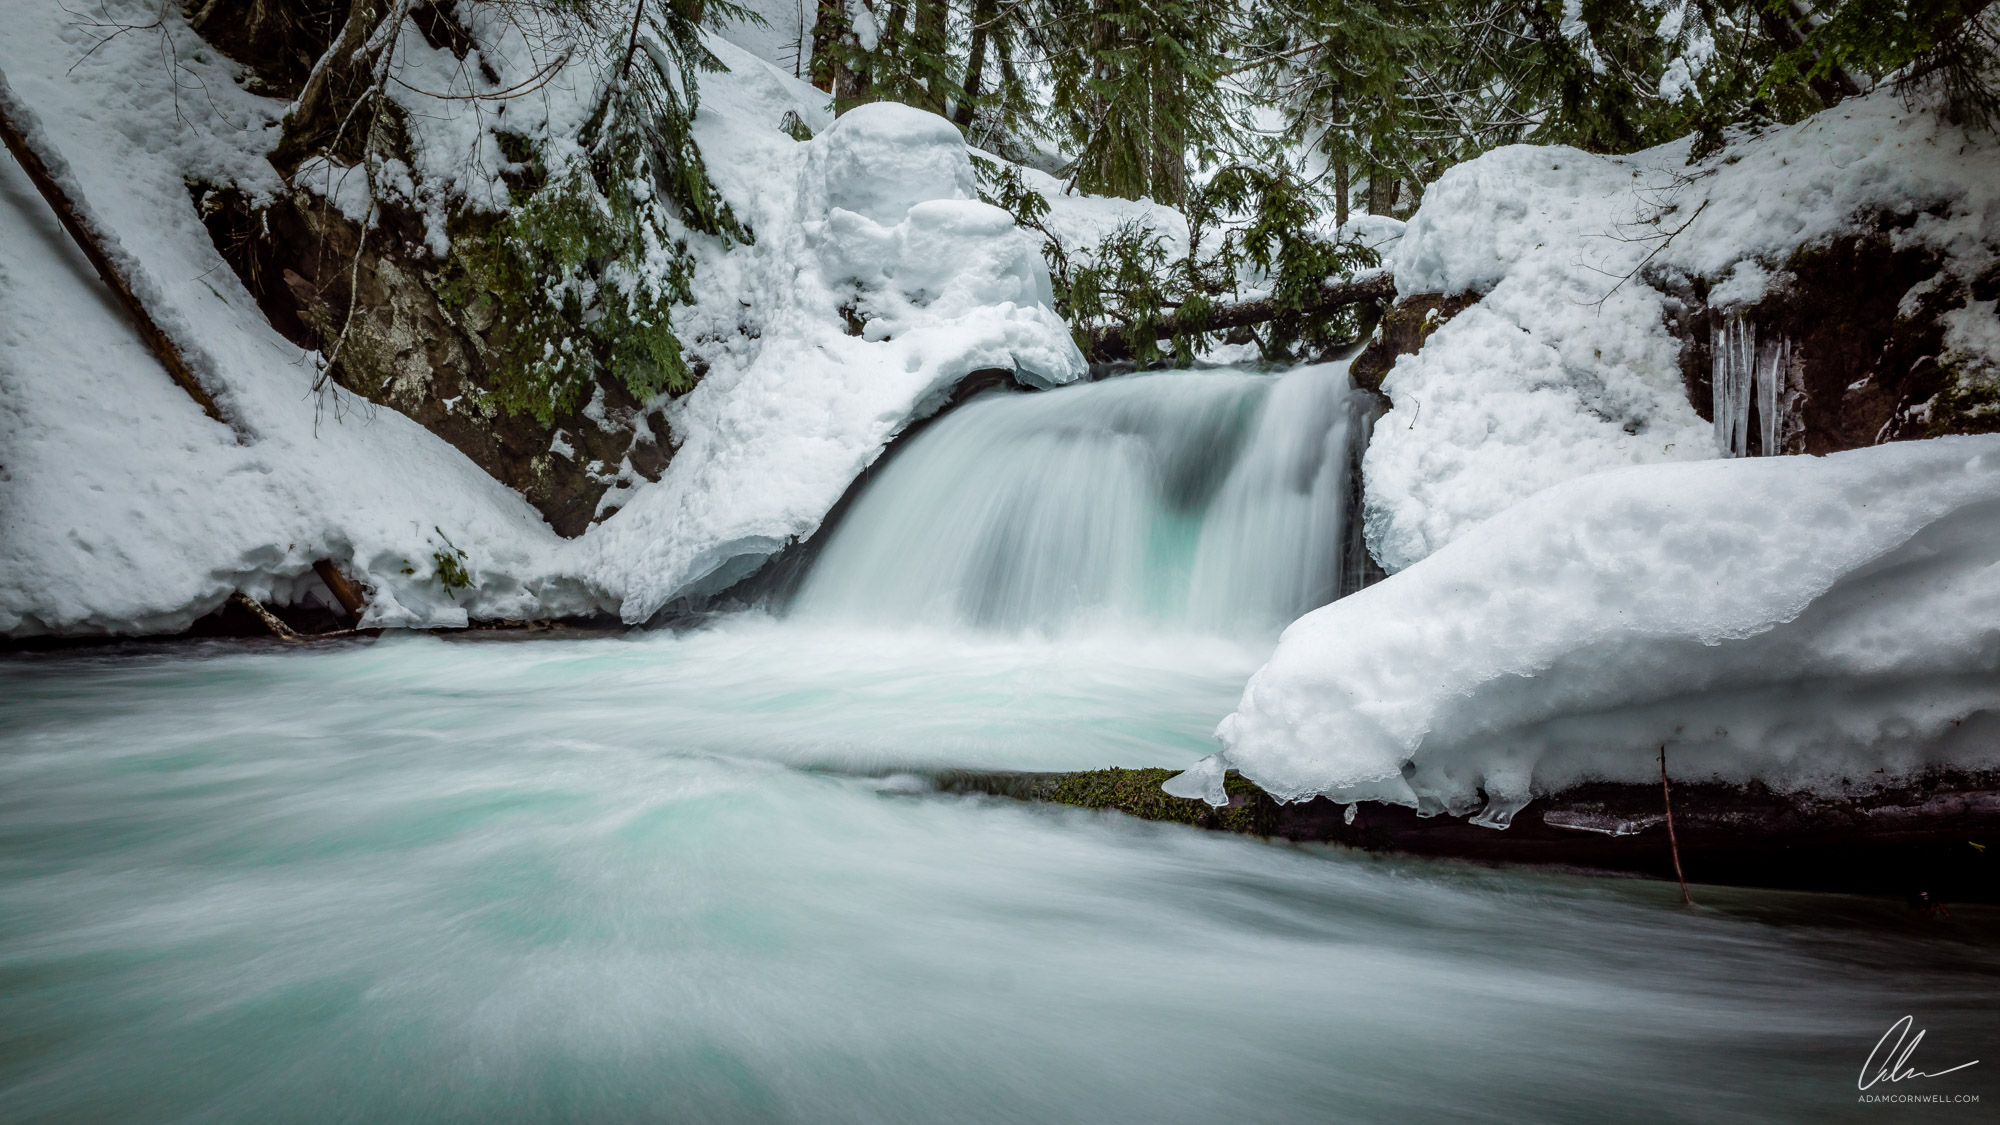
[(1733, 343), (1744, 369), (1773, 357)]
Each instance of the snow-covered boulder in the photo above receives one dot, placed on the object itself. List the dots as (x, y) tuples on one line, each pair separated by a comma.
[(879, 220), (1801, 621), (889, 201), (1569, 364), (881, 159)]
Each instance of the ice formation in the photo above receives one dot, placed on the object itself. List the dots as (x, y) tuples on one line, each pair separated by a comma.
[(1566, 367), (1803, 621), (1751, 372)]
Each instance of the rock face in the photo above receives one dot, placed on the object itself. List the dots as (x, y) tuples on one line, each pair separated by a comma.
[(1872, 355), (405, 348), (1928, 840), (374, 302), (1402, 332), (1868, 325)]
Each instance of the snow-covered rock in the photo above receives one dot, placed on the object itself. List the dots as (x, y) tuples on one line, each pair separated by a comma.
[(1566, 366), (124, 510), (1801, 621), (881, 219)]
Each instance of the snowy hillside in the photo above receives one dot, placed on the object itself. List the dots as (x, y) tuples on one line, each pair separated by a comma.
[(127, 511)]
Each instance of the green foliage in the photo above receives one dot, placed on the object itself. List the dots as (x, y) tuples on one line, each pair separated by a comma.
[(1918, 41), (448, 564), (1137, 90), (1266, 222), (1969, 402), (564, 271), (583, 270)]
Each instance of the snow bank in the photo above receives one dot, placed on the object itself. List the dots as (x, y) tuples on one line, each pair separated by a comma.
[(1566, 367), (124, 510), (1802, 621), (122, 507), (878, 219)]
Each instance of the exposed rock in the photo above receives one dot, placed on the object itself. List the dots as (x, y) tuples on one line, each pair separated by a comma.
[(1938, 836), (375, 304), (1866, 320), (1404, 328), (407, 349)]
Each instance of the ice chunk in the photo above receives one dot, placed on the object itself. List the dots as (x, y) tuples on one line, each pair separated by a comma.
[(1201, 781)]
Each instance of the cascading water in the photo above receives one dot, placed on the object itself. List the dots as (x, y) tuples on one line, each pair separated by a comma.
[(1212, 501), (572, 881)]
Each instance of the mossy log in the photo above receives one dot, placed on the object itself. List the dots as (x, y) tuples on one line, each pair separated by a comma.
[(1938, 837)]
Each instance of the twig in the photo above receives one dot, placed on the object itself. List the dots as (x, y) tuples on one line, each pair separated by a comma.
[(1673, 842), (278, 628)]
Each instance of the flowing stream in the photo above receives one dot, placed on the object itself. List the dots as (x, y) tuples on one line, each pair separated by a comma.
[(697, 877)]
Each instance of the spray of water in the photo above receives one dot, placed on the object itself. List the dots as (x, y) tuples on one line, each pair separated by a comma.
[(1207, 501)]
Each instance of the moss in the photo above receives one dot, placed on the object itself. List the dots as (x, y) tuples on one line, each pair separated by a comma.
[(573, 279), (1969, 402), (448, 563), (1250, 811)]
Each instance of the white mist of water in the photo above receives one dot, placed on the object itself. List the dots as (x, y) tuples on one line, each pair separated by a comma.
[(1211, 501), (555, 881)]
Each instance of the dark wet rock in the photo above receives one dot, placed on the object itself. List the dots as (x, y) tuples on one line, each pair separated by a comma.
[(1938, 836), (406, 348), (1404, 328)]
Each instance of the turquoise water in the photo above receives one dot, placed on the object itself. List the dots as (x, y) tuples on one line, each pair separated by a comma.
[(643, 880)]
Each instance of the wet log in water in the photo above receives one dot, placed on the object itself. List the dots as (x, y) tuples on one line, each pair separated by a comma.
[(1936, 840)]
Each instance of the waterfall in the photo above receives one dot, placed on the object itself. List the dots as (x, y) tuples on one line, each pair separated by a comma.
[(1751, 375), (1209, 500)]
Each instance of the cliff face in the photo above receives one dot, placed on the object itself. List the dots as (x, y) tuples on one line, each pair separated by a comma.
[(373, 303), (378, 300), (1873, 331)]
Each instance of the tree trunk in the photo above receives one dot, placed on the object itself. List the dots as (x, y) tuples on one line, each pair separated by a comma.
[(1340, 191), (106, 256), (1114, 342), (929, 46), (975, 62), (831, 31)]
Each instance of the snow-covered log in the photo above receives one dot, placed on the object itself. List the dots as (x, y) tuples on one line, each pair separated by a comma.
[(1115, 341)]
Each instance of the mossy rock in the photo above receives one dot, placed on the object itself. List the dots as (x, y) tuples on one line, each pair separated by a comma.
[(1250, 810)]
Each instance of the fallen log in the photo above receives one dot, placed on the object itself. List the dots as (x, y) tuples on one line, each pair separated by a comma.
[(343, 589), (47, 171), (278, 628), (1933, 840), (1114, 342)]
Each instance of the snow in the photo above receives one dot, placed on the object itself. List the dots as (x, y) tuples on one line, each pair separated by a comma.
[(879, 212), (1565, 366), (1794, 620), (124, 510)]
